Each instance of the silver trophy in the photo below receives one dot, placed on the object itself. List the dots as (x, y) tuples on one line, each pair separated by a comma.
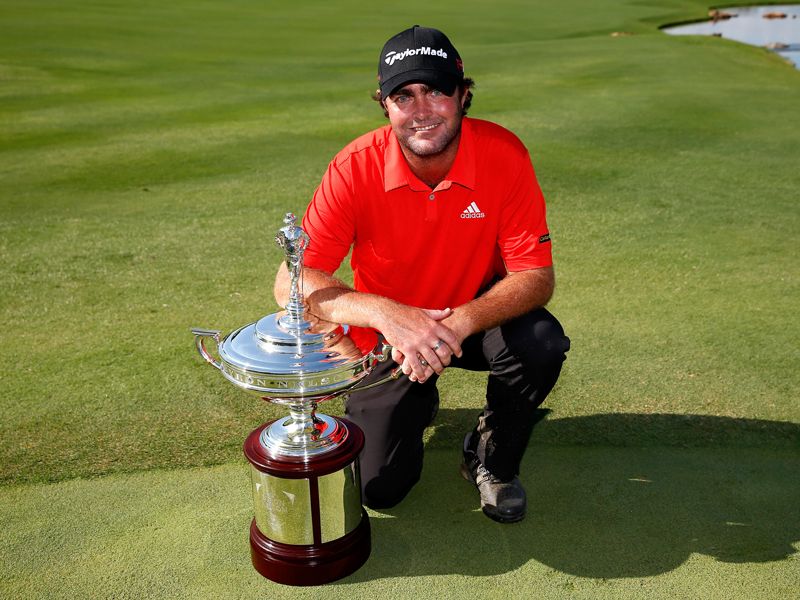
[(309, 526)]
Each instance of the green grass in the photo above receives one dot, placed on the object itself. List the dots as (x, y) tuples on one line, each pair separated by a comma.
[(148, 152), (608, 523)]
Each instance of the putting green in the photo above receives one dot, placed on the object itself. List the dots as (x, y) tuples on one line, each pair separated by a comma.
[(603, 523)]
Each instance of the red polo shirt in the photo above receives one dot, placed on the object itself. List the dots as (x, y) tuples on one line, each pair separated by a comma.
[(422, 247)]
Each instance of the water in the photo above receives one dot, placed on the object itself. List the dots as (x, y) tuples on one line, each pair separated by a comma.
[(750, 27)]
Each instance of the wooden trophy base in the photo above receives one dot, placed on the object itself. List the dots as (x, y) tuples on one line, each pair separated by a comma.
[(314, 564), (318, 562)]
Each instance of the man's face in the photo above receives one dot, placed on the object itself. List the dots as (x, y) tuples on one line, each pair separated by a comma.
[(424, 119)]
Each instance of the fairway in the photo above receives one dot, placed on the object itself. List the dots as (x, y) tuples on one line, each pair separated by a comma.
[(148, 153)]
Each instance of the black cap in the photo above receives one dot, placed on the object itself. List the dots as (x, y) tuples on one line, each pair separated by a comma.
[(420, 54)]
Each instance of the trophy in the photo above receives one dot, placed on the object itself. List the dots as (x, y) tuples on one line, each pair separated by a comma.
[(309, 527)]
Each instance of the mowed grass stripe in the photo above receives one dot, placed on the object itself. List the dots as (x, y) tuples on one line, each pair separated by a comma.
[(148, 154)]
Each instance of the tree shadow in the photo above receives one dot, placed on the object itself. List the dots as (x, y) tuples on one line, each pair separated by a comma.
[(606, 509)]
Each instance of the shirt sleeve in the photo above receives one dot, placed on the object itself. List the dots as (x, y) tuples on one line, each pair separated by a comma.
[(523, 238), (329, 220)]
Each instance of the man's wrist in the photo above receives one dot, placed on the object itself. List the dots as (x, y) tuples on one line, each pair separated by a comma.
[(461, 323), (380, 310)]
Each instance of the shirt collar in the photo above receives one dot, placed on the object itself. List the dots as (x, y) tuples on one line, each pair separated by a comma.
[(397, 173)]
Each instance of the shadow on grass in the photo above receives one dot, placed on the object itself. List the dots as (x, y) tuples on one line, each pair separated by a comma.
[(609, 509)]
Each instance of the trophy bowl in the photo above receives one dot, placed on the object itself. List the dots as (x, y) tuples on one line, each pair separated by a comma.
[(282, 363), (309, 527), (298, 368)]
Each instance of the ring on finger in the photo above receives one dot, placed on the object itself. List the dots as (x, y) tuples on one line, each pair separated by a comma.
[(437, 345), (423, 362)]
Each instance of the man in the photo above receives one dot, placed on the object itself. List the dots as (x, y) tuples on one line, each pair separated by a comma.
[(452, 264)]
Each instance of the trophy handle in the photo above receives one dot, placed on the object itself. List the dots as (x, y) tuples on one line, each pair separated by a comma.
[(199, 334), (386, 351), (395, 374)]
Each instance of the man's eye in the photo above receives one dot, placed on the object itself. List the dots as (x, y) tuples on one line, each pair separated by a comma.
[(401, 99), (436, 93)]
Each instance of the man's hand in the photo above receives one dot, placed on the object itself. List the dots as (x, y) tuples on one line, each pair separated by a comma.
[(431, 335), (412, 332), (421, 343), (517, 293)]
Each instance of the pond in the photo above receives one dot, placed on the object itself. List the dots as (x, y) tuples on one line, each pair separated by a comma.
[(774, 27)]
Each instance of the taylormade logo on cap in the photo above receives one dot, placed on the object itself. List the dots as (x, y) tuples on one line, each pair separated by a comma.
[(432, 59), (392, 57)]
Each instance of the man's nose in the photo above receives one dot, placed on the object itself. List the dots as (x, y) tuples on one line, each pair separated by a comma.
[(422, 106)]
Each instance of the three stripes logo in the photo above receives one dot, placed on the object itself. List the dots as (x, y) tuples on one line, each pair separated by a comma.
[(472, 212)]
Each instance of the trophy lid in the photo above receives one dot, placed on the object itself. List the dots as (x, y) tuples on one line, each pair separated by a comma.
[(267, 348), (290, 354)]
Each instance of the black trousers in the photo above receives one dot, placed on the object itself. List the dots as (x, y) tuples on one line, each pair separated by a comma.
[(523, 358)]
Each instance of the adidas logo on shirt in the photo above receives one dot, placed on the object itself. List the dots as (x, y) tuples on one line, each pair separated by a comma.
[(472, 212)]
